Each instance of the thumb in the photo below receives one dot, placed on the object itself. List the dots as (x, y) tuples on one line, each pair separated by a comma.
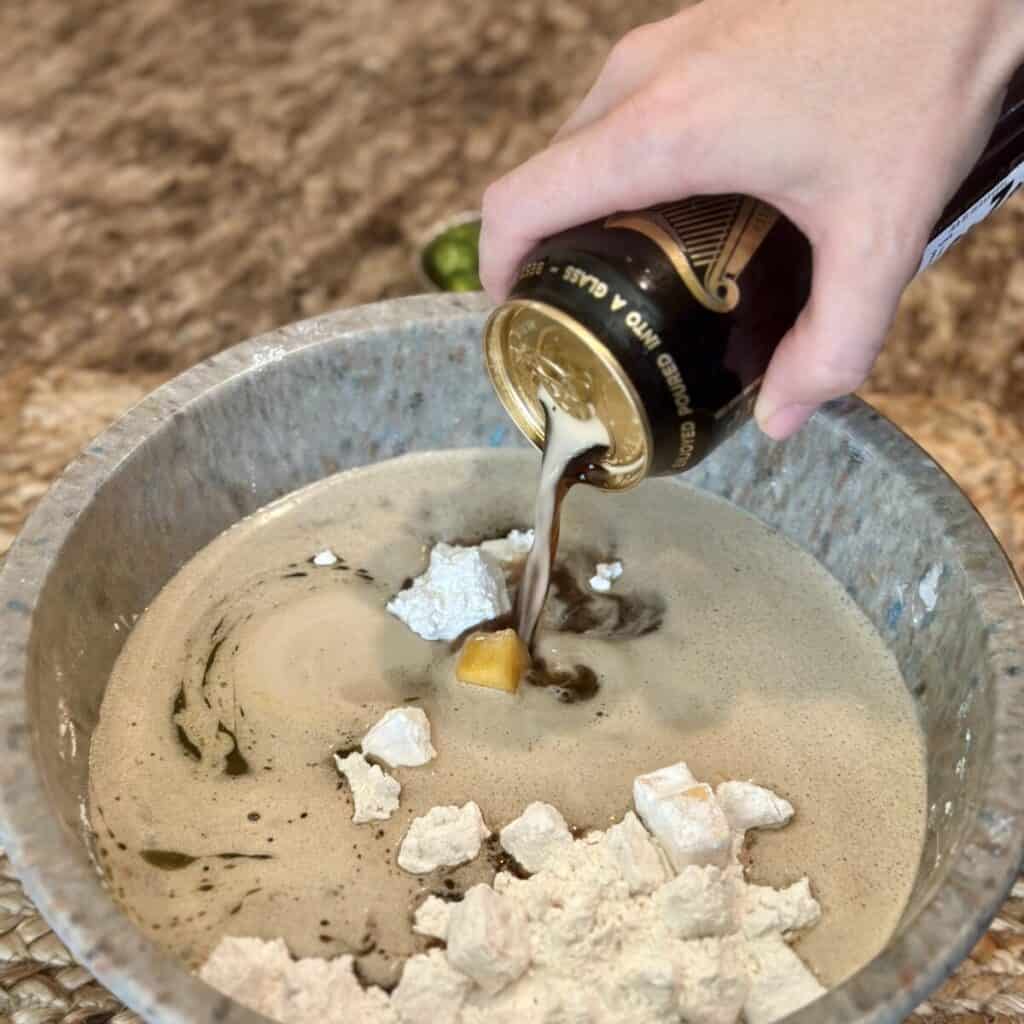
[(858, 278)]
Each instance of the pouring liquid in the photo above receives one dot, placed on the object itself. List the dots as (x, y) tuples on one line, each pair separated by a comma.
[(571, 450)]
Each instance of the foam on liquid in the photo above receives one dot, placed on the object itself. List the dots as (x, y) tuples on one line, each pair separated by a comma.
[(722, 645)]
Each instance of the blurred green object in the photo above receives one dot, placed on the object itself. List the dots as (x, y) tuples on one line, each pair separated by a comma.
[(449, 261)]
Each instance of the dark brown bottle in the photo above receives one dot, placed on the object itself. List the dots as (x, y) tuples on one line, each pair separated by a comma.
[(663, 321)]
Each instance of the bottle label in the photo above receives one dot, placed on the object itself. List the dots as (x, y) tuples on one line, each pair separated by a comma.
[(974, 214), (709, 239)]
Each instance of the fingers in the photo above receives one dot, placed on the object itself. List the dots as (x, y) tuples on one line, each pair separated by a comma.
[(831, 348), (612, 153), (627, 159), (634, 62)]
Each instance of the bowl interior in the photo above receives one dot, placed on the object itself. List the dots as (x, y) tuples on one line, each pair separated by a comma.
[(289, 408)]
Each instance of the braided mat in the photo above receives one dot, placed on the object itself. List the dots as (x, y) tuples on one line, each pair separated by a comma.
[(40, 983)]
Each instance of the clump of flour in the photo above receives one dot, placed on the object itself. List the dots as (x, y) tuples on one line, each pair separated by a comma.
[(605, 574), (400, 739), (461, 588), (651, 920), (614, 927)]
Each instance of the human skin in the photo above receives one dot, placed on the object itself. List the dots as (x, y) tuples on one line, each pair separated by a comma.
[(857, 119)]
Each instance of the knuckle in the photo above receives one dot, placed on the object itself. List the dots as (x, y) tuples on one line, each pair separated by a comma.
[(495, 201), (835, 376), (633, 41), (665, 91), (830, 367), (879, 233), (630, 48), (682, 125), (638, 111), (663, 104)]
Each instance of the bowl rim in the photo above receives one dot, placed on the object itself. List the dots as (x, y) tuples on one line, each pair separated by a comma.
[(59, 878)]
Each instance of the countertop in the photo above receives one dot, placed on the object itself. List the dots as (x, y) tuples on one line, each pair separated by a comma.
[(176, 176)]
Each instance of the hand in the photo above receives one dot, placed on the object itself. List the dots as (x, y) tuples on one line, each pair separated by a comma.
[(858, 120)]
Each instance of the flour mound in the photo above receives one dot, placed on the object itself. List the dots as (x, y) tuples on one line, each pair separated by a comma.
[(263, 976), (461, 588), (612, 929)]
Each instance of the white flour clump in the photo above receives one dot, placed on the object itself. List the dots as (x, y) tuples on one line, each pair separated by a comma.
[(749, 806), (684, 816), (401, 739), (461, 588), (608, 931), (374, 792), (605, 574), (488, 939), (513, 548), (431, 918), (535, 836), (782, 911), (431, 991), (444, 837), (263, 976), (779, 982)]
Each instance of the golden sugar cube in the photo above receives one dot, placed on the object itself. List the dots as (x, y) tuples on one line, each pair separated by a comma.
[(497, 660)]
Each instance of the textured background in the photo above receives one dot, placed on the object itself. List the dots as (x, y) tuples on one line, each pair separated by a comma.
[(176, 175)]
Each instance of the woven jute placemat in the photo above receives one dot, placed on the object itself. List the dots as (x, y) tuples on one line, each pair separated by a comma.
[(40, 983)]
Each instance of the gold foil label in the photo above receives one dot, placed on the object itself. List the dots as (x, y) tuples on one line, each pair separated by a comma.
[(537, 352), (709, 239), (530, 347)]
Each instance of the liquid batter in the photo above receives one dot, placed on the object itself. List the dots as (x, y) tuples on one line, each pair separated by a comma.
[(213, 790)]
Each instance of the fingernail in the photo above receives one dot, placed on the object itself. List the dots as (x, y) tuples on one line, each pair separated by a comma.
[(782, 421)]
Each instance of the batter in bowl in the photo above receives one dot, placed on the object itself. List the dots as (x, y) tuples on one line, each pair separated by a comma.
[(215, 800)]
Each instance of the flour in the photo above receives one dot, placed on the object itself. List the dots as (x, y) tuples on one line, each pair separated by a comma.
[(538, 834), (401, 739), (606, 931), (684, 817), (779, 982), (489, 939), (430, 990), (263, 976), (431, 918), (374, 792), (444, 837), (769, 911), (700, 903), (462, 587), (605, 574), (749, 806), (513, 548), (642, 863)]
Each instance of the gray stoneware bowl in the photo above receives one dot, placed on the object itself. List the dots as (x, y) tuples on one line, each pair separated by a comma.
[(285, 409)]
